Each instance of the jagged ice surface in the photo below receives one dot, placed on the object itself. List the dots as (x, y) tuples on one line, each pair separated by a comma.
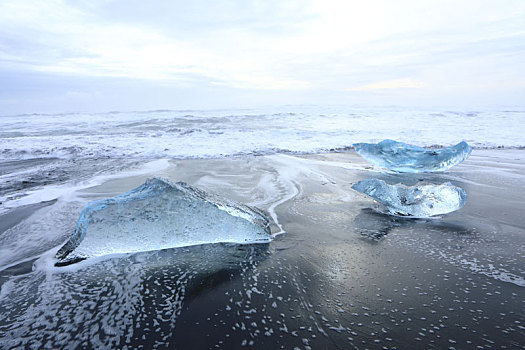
[(401, 157), (416, 201), (159, 215)]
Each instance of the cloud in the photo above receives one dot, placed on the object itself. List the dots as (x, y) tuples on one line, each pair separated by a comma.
[(265, 83), (314, 48), (405, 83)]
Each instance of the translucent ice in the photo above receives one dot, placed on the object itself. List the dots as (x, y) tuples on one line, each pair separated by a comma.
[(416, 201), (405, 158), (159, 215)]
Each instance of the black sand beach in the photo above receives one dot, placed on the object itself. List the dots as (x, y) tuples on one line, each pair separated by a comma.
[(340, 276)]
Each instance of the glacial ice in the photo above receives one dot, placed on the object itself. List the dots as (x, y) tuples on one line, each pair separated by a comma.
[(159, 215), (404, 158), (418, 201)]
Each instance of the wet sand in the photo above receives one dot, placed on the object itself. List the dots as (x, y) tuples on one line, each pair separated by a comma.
[(339, 274)]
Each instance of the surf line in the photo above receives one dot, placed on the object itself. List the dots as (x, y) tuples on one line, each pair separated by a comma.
[(296, 190)]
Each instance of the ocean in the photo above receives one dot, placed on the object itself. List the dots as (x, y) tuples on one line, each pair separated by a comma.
[(221, 133)]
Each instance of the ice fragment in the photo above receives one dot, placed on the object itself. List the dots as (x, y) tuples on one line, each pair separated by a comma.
[(405, 158), (159, 215), (416, 201)]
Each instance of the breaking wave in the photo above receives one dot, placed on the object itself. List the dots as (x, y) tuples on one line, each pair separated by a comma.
[(225, 133)]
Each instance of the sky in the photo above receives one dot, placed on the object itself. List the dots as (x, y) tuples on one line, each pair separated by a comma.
[(102, 55)]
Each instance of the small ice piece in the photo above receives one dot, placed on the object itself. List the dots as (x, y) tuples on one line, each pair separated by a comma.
[(404, 158), (159, 215), (418, 201)]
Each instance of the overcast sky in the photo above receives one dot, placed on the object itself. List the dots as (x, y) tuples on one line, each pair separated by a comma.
[(99, 55)]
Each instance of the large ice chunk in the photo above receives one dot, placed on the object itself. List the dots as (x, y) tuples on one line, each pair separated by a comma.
[(416, 201), (158, 215), (404, 158)]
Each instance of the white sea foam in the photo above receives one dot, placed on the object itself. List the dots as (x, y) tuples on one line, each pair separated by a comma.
[(202, 134)]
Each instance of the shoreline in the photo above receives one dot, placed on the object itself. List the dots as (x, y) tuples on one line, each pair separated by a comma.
[(142, 166), (341, 275)]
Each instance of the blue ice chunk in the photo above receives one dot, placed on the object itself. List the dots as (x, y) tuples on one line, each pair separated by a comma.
[(159, 215), (419, 201), (404, 158)]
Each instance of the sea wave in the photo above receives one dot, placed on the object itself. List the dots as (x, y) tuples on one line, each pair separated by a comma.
[(225, 133)]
